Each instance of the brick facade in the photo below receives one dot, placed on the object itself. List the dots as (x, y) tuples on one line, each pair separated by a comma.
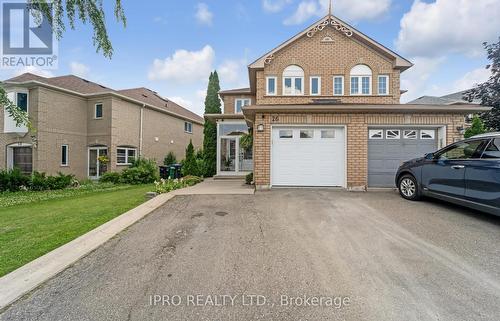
[(357, 137)]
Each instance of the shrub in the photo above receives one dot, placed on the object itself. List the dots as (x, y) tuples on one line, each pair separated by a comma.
[(249, 178), (476, 128), (41, 182), (170, 159), (142, 171), (13, 180), (111, 177), (168, 185), (190, 167)]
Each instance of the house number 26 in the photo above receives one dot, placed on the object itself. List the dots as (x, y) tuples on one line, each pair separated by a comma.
[(275, 118)]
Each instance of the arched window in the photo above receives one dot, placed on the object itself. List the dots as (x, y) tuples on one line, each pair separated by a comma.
[(293, 80), (361, 80)]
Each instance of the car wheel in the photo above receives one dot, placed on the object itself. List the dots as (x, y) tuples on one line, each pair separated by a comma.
[(408, 188)]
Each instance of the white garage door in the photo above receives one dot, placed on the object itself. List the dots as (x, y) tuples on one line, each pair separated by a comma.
[(308, 156)]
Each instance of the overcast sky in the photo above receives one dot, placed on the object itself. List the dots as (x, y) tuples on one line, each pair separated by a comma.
[(171, 46)]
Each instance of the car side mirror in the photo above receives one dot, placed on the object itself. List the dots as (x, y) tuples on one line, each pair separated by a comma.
[(429, 156)]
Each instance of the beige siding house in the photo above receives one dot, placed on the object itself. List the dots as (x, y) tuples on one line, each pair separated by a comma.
[(324, 109), (77, 121)]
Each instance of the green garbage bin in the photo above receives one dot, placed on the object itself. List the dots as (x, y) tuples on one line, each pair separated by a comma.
[(171, 172)]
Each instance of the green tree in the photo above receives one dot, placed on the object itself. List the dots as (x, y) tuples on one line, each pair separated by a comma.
[(170, 159), (190, 166), (489, 92), (57, 12), (476, 128), (212, 106)]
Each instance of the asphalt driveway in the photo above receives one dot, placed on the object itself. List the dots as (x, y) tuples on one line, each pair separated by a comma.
[(285, 255)]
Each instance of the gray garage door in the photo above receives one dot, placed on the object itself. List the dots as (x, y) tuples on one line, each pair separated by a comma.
[(389, 147)]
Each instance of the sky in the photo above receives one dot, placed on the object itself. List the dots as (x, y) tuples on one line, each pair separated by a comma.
[(172, 46)]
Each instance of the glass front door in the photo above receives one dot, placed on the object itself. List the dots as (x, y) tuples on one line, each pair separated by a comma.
[(228, 154), (97, 167)]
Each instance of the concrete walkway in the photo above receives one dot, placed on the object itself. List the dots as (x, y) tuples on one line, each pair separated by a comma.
[(212, 186)]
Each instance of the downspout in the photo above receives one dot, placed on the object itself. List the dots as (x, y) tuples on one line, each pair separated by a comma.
[(140, 129)]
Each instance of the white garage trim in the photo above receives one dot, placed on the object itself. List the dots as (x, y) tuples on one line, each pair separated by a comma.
[(339, 126)]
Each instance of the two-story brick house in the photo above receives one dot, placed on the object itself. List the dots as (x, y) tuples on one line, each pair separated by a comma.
[(77, 121), (324, 108)]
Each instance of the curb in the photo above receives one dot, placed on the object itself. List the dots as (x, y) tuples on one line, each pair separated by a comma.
[(31, 275)]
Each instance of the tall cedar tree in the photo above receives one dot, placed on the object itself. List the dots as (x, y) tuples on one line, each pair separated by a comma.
[(489, 92), (212, 106), (190, 167)]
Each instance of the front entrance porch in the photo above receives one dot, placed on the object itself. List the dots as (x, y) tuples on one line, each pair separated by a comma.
[(232, 159)]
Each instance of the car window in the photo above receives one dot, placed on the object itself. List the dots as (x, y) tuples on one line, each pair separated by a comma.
[(462, 150), (493, 150)]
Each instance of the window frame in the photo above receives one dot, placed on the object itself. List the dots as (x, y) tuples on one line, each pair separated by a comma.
[(373, 131), (341, 83), (359, 72), (66, 154), (268, 93), (386, 77), (392, 130), (17, 93), (293, 92), (95, 110), (285, 136), (190, 125), (332, 130), (126, 149), (405, 136), (306, 130), (236, 100), (311, 87), (422, 131)]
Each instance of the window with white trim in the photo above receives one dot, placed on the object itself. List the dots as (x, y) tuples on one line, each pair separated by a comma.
[(383, 85), (98, 111), (125, 155), (307, 133), (376, 134), (410, 134), (293, 81), (188, 127), (286, 134), (427, 134), (271, 85), (393, 134), (338, 85), (315, 85), (240, 103), (64, 155), (361, 80)]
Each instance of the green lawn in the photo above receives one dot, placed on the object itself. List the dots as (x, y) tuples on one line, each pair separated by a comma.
[(34, 223)]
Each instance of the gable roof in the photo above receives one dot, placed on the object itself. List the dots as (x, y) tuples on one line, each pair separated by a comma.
[(87, 88), (450, 99), (344, 27)]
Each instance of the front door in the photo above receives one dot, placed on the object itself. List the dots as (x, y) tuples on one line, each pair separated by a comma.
[(22, 158), (97, 167), (228, 160)]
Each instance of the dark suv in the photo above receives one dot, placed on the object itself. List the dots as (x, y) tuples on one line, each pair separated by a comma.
[(465, 173)]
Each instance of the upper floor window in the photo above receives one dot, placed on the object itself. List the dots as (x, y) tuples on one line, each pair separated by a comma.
[(240, 103), (338, 85), (315, 85), (271, 85), (125, 155), (20, 99), (98, 111), (383, 85), (188, 127), (293, 81), (361, 80)]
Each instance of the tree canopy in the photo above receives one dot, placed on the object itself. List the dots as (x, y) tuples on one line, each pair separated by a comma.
[(489, 91), (212, 106)]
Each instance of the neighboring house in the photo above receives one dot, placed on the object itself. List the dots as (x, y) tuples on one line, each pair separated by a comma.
[(324, 108), (451, 99), (77, 121)]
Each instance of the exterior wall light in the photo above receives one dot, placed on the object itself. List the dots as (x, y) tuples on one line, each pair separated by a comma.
[(260, 127)]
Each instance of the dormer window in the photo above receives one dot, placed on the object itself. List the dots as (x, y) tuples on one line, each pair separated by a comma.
[(361, 80), (293, 81)]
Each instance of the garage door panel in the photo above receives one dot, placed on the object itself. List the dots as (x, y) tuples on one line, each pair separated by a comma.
[(313, 161), (386, 155)]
